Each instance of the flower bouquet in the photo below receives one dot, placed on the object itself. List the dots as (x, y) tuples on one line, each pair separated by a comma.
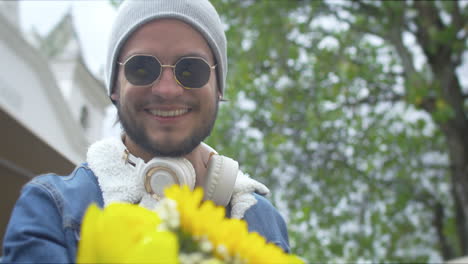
[(182, 229)]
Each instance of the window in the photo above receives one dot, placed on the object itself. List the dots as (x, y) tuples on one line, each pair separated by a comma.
[(84, 117)]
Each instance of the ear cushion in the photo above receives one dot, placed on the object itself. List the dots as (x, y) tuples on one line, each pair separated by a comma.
[(160, 173), (221, 177)]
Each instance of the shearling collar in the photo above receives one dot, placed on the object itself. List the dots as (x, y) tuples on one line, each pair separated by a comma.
[(120, 182)]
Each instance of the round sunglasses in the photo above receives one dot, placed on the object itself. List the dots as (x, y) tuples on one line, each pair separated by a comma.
[(189, 72)]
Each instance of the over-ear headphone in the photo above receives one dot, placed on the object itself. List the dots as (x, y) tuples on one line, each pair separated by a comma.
[(160, 172)]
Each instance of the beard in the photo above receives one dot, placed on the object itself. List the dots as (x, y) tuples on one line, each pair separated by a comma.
[(137, 133)]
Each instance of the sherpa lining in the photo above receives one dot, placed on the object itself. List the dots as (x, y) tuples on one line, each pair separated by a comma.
[(119, 182)]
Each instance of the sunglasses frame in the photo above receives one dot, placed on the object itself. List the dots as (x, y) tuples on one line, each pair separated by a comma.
[(173, 66)]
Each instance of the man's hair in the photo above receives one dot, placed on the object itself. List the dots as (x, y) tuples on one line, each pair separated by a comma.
[(200, 14)]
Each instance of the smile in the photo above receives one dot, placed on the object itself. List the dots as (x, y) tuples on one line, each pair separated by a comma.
[(168, 113)]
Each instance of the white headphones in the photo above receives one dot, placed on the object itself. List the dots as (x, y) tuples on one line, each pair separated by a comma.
[(160, 173)]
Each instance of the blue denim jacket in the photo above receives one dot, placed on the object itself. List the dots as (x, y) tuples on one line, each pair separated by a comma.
[(45, 222)]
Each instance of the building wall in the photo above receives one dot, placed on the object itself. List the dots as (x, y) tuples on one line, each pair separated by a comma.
[(93, 99), (12, 181), (40, 130), (9, 10), (28, 92), (22, 156)]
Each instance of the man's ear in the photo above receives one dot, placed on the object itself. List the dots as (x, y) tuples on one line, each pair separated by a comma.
[(220, 97), (115, 96)]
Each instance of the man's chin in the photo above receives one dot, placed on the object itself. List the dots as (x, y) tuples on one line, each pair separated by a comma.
[(172, 149)]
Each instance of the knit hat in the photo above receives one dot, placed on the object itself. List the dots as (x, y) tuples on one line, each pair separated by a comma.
[(200, 14)]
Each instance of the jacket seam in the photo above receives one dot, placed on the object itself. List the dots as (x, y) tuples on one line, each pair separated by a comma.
[(51, 190), (52, 193)]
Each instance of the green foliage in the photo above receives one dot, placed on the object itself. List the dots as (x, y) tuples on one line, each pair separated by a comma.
[(321, 112), (327, 109), (116, 3)]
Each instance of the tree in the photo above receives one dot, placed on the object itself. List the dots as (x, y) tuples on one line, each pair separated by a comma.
[(366, 146), (353, 113)]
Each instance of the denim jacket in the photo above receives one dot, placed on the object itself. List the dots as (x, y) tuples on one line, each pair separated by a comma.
[(45, 222)]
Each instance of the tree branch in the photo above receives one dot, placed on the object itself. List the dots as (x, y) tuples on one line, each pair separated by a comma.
[(428, 20), (370, 10), (353, 25), (460, 221), (457, 18), (395, 37), (438, 223), (371, 100)]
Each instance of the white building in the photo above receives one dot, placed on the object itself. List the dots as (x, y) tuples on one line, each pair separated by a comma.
[(51, 106)]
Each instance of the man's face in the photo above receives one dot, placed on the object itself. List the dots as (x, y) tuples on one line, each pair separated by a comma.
[(165, 119)]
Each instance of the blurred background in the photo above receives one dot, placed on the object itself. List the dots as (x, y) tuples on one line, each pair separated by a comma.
[(354, 113)]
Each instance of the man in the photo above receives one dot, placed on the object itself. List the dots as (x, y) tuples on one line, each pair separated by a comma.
[(166, 72)]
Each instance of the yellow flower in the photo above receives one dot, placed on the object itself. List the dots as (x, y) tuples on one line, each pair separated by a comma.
[(230, 238), (255, 249), (156, 247), (124, 233)]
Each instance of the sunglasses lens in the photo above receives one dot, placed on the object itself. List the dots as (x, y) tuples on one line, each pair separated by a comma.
[(192, 72), (142, 70)]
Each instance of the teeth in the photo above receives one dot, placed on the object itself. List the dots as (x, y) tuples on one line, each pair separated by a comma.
[(170, 113)]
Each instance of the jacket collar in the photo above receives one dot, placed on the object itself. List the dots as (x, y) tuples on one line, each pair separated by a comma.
[(119, 182)]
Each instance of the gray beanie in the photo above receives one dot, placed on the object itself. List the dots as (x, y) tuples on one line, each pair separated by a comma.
[(200, 14)]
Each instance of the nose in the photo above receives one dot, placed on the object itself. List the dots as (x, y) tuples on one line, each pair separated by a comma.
[(166, 87)]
